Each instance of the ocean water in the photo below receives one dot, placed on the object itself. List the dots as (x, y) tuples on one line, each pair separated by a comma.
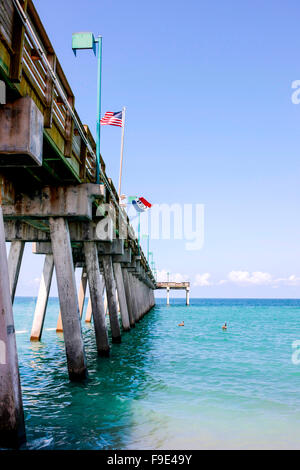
[(166, 387)]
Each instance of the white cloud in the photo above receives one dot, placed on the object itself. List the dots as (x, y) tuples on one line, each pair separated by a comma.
[(202, 280), (164, 275), (289, 281), (246, 278)]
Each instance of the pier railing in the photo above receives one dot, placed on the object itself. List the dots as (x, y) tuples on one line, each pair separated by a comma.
[(29, 65)]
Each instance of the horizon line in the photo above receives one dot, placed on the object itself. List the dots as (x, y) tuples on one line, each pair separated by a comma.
[(191, 298)]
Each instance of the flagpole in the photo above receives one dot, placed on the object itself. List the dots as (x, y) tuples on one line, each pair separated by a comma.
[(122, 148)]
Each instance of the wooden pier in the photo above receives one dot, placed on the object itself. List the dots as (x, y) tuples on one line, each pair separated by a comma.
[(49, 197), (177, 286)]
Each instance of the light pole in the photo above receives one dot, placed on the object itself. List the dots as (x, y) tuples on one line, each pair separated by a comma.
[(88, 41), (99, 80)]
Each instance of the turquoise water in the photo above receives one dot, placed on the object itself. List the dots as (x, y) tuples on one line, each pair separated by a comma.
[(167, 387)]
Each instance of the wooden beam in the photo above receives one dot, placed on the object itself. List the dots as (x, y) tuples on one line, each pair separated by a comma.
[(48, 114), (83, 156), (69, 130), (17, 45)]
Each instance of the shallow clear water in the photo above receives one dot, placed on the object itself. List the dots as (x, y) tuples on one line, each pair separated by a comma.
[(167, 387)]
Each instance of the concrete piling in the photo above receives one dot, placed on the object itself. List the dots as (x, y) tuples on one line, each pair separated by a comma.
[(88, 315), (105, 302), (121, 296), (140, 286), (82, 291), (187, 296), (14, 264), (64, 268), (134, 297), (128, 294), (42, 300), (81, 299), (139, 297), (12, 427), (146, 297), (152, 298), (111, 298), (96, 292)]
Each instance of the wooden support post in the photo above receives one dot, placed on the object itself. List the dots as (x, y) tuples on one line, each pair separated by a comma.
[(121, 296), (14, 264), (95, 286), (168, 295), (111, 298), (64, 268), (12, 427), (129, 299), (42, 301)]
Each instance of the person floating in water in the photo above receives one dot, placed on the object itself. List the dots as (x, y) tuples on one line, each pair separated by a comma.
[(181, 324), (224, 327)]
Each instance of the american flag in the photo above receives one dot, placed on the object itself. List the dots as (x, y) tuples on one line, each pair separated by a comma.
[(112, 119)]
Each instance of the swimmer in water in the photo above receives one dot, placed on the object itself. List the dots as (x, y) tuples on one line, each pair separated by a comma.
[(224, 327), (181, 324)]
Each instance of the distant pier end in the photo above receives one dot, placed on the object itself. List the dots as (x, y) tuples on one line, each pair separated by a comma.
[(175, 285)]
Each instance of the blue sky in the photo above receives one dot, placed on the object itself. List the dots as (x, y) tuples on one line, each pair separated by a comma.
[(207, 86)]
